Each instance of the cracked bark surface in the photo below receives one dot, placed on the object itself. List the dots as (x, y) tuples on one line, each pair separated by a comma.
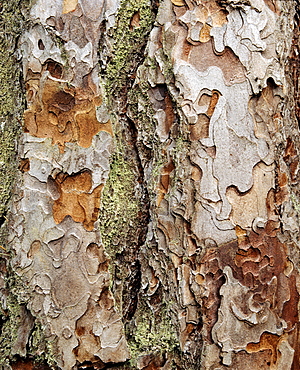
[(154, 217)]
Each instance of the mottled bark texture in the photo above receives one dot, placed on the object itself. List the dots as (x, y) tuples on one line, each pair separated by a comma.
[(153, 222)]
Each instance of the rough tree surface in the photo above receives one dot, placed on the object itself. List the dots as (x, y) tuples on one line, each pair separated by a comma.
[(149, 191)]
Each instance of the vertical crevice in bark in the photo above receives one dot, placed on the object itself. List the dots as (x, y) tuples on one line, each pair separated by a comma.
[(294, 61), (127, 185), (290, 155)]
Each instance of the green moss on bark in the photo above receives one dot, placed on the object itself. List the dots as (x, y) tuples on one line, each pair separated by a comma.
[(119, 207), (11, 96), (11, 112), (153, 337), (134, 22), (41, 348), (9, 329)]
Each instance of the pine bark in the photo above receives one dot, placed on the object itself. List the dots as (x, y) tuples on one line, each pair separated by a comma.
[(150, 203)]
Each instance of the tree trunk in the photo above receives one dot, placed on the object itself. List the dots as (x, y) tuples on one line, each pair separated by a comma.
[(150, 214)]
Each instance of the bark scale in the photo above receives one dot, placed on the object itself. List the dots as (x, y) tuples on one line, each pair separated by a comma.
[(154, 221)]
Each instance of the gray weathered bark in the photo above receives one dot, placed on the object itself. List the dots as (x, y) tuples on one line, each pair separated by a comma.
[(153, 222)]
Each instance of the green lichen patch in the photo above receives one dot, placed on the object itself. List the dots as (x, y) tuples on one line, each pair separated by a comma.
[(11, 319), (134, 22), (11, 111), (42, 349), (15, 297), (15, 316), (11, 96), (295, 202), (153, 335), (119, 213)]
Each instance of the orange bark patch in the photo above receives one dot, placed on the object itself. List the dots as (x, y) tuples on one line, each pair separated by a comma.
[(290, 150), (282, 179), (211, 10), (76, 199), (170, 116), (282, 192), (62, 113), (255, 361), (267, 341), (178, 2), (261, 255), (294, 340), (151, 362), (88, 343), (290, 308), (274, 5), (200, 129), (259, 262), (135, 21), (54, 68), (164, 181), (291, 159), (28, 365), (205, 33), (24, 165), (219, 18), (196, 173), (213, 102), (69, 6)]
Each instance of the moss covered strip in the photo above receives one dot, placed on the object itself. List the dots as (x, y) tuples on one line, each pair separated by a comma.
[(11, 96), (134, 22)]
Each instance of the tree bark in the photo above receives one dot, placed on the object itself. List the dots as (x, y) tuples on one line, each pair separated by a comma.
[(153, 218)]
